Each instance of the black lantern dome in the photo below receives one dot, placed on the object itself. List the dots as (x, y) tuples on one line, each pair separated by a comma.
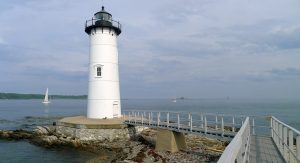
[(102, 19)]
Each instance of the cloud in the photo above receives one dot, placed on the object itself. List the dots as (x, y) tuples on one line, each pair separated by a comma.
[(166, 48), (285, 30), (2, 41), (293, 72)]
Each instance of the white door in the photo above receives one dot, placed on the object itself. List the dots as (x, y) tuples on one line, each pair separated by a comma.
[(115, 109)]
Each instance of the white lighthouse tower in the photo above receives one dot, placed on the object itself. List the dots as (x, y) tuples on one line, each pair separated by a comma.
[(104, 90)]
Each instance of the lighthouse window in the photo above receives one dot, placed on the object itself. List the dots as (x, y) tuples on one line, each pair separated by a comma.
[(99, 73)]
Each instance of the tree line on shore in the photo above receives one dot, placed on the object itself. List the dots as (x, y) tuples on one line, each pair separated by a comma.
[(39, 96)]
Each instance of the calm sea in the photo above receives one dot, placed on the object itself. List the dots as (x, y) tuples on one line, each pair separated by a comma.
[(15, 114)]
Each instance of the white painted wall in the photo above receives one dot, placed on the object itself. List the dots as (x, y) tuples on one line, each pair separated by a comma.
[(104, 92)]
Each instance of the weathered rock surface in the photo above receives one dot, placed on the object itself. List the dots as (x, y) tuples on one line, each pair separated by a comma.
[(41, 130), (200, 149), (15, 135), (140, 149)]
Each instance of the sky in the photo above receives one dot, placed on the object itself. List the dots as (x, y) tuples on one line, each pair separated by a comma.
[(167, 48)]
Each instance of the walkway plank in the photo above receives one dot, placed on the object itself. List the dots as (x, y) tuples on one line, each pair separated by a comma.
[(263, 150)]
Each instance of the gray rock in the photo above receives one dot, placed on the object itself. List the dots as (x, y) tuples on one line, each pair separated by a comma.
[(50, 139), (127, 161), (41, 130), (48, 129), (126, 150), (15, 135)]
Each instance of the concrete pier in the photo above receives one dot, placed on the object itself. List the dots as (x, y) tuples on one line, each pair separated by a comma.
[(170, 141)]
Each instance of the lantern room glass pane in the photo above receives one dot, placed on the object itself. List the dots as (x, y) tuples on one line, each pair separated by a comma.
[(103, 16)]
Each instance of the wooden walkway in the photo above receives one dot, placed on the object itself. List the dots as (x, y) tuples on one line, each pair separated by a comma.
[(264, 150)]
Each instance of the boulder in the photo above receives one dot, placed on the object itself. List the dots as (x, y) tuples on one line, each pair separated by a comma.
[(50, 139), (41, 130)]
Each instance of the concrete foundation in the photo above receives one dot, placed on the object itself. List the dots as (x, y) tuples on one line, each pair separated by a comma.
[(170, 141), (86, 129)]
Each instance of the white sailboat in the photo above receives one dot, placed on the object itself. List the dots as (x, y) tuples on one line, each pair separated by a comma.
[(46, 100)]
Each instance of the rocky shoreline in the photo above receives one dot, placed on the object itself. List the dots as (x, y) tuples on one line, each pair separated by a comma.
[(138, 149)]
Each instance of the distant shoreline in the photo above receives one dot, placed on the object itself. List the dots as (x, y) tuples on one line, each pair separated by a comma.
[(15, 96)]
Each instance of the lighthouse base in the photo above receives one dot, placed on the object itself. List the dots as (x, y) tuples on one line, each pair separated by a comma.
[(104, 109), (86, 129)]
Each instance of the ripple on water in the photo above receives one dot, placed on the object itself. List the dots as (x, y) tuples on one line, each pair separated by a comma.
[(18, 151)]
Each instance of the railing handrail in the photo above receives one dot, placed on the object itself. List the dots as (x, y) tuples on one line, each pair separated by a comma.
[(180, 112), (286, 125), (231, 152), (222, 127), (283, 136)]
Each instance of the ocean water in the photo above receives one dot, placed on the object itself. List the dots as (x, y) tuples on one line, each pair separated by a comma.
[(16, 114)]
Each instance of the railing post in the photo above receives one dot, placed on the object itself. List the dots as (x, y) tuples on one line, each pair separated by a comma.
[(222, 125), (280, 138), (291, 145), (271, 124), (134, 117), (285, 149), (168, 117), (149, 119), (158, 119), (202, 122), (253, 126), (142, 119), (233, 124), (216, 127), (276, 133), (178, 121), (189, 123), (191, 118), (205, 124), (298, 147)]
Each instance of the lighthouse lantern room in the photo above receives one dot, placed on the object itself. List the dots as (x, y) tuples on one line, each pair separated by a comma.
[(104, 90)]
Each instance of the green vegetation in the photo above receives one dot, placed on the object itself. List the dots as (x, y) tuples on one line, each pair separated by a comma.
[(38, 96)]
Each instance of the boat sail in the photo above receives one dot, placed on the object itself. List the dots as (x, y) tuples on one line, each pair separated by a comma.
[(46, 100)]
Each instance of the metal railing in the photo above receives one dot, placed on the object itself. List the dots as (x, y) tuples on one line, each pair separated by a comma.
[(287, 140), (238, 129), (93, 21), (239, 148), (215, 125), (260, 125)]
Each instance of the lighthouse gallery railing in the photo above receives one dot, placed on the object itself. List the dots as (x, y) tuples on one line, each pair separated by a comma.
[(93, 21)]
